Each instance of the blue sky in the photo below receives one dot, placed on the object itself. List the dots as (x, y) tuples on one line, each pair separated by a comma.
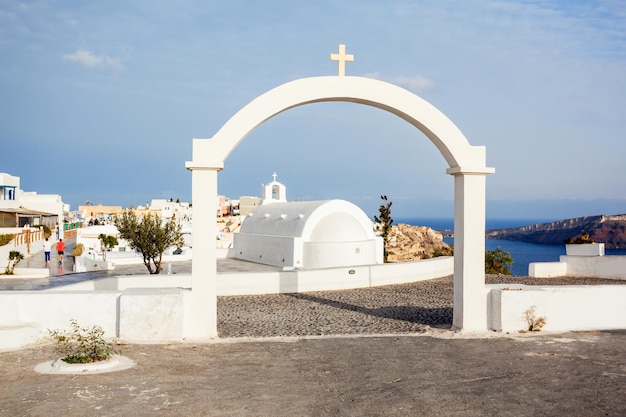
[(100, 101)]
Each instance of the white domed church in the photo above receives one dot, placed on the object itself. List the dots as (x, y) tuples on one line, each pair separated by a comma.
[(306, 234)]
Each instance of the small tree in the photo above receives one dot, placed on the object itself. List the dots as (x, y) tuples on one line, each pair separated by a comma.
[(107, 242), (15, 257), (385, 221), (498, 261), (149, 236)]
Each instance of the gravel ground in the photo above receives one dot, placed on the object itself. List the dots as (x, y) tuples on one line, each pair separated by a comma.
[(408, 308)]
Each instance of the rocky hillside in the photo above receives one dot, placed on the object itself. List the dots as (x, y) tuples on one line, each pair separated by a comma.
[(608, 229), (408, 243)]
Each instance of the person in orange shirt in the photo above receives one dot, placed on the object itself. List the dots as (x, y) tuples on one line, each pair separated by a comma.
[(60, 249)]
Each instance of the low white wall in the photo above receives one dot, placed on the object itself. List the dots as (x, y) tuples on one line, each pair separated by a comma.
[(26, 273), (54, 310), (85, 264), (581, 266), (133, 258), (566, 308), (126, 282), (403, 272), (547, 269), (139, 315), (274, 282), (595, 266)]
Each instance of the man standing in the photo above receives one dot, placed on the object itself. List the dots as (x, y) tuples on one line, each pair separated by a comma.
[(60, 249), (46, 251)]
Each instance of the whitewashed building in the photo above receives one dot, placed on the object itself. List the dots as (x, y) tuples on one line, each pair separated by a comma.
[(30, 207), (308, 235)]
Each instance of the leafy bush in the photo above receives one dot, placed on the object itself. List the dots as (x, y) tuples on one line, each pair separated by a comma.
[(78, 249), (83, 345), (4, 239), (498, 261), (47, 232)]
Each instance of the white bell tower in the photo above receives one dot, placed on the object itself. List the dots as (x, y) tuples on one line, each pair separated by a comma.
[(274, 192)]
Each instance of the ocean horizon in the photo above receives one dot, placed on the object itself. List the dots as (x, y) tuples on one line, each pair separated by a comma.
[(444, 223), (523, 253)]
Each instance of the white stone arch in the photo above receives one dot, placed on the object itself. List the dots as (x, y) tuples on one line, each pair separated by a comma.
[(466, 163)]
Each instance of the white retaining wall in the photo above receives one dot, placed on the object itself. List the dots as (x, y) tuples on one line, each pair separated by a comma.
[(273, 282), (581, 266), (595, 266), (566, 308)]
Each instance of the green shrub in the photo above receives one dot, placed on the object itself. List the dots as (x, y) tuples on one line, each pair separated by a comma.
[(15, 256), (78, 249), (4, 239), (498, 261), (83, 345)]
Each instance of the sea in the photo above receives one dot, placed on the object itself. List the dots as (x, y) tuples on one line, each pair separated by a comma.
[(522, 253)]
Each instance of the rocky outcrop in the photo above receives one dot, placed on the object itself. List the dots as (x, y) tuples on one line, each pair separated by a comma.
[(610, 230), (409, 243)]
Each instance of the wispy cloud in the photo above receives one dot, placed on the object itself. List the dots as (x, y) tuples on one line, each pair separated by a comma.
[(415, 83), (88, 60)]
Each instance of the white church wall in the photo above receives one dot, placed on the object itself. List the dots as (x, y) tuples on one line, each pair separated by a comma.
[(282, 251), (334, 254)]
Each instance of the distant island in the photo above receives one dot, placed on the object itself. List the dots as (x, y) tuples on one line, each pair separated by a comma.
[(610, 230)]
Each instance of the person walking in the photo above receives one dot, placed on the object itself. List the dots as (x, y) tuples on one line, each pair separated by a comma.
[(46, 251), (60, 249)]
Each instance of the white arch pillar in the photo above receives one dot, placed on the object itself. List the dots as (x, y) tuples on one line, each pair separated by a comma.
[(470, 298), (201, 320)]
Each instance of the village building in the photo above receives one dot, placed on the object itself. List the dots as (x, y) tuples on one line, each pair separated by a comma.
[(306, 234), (96, 214), (19, 208), (247, 204)]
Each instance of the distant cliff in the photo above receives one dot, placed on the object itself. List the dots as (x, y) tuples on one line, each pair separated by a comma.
[(608, 229), (409, 243)]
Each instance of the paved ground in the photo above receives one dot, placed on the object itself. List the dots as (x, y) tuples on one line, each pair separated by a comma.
[(578, 374), (373, 352)]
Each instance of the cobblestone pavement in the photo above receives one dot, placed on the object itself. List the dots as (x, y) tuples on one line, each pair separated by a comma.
[(406, 308)]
